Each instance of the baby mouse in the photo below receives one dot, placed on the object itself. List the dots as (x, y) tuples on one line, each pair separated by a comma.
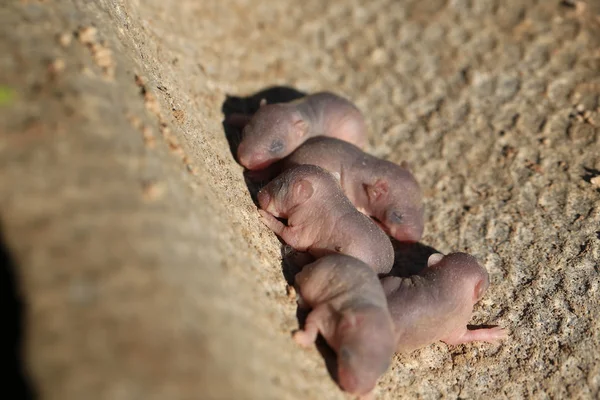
[(278, 129)]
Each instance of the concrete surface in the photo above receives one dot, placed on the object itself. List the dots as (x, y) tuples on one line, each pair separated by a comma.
[(139, 257)]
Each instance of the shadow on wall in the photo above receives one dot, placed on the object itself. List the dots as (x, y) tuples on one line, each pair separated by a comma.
[(17, 381), (410, 259)]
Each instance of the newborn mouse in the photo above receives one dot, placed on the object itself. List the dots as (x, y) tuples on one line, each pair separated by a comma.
[(350, 310), (278, 129), (437, 303), (381, 189), (321, 219)]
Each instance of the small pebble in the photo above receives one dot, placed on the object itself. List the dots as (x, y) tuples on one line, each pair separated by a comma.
[(152, 190), (64, 39), (291, 292), (87, 34)]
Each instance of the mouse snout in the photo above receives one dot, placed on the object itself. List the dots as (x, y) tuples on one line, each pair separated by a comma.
[(253, 160), (406, 233), (405, 225), (245, 156), (241, 152), (350, 383), (347, 380), (352, 377)]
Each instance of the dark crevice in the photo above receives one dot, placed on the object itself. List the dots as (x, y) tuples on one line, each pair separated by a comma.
[(17, 383), (590, 173)]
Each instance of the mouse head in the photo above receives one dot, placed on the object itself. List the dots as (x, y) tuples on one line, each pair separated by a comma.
[(462, 272), (365, 348), (394, 199), (273, 133), (289, 190)]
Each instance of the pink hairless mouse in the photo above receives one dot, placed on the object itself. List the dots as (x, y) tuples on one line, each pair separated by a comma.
[(321, 219), (379, 188), (350, 310), (437, 303), (278, 129)]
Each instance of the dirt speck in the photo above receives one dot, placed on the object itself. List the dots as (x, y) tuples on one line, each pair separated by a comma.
[(148, 136), (87, 35), (179, 116), (291, 293), (65, 39), (101, 53), (153, 190), (56, 67)]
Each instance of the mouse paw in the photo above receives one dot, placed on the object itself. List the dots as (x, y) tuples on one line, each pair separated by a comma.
[(303, 338), (271, 222)]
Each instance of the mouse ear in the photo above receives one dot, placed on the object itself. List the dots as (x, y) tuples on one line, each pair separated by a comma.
[(300, 127), (263, 102), (377, 190), (434, 259), (303, 190), (480, 289)]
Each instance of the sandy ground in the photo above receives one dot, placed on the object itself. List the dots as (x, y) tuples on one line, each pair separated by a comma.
[(139, 259)]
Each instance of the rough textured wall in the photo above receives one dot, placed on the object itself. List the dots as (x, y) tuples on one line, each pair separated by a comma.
[(139, 255)]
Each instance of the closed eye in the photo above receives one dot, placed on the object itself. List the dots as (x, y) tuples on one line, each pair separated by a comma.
[(276, 146), (396, 217), (344, 354)]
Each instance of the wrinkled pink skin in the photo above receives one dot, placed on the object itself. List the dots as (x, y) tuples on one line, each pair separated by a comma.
[(278, 129), (379, 188), (321, 219), (437, 303), (350, 310)]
